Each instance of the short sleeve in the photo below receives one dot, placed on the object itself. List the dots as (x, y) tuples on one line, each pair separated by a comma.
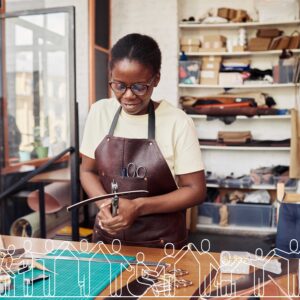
[(92, 134), (188, 158)]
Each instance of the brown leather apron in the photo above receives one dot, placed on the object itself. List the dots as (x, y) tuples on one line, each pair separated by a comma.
[(112, 155)]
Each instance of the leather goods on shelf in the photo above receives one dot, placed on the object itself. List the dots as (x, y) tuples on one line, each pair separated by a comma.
[(280, 43), (259, 44), (252, 143), (234, 137), (268, 32), (230, 111)]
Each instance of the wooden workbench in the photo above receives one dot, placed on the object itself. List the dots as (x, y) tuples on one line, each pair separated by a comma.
[(190, 261)]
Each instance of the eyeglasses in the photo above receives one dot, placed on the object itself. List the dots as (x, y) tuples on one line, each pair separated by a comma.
[(138, 89)]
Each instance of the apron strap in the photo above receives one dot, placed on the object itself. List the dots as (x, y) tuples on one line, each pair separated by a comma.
[(151, 121)]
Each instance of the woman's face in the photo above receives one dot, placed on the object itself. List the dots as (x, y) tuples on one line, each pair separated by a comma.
[(126, 73)]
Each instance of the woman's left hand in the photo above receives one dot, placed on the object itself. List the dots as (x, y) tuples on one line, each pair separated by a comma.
[(127, 213)]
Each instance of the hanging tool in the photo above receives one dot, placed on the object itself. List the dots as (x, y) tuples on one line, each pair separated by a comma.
[(115, 199)]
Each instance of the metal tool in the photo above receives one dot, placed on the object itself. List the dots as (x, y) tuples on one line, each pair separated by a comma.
[(115, 199), (102, 197), (99, 260), (29, 281), (133, 170)]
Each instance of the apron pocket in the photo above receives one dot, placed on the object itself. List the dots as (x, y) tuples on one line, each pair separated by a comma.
[(124, 184)]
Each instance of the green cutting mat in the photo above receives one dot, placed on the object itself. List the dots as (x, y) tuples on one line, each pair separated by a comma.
[(74, 279)]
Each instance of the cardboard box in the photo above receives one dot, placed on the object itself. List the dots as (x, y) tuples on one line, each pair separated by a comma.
[(189, 41), (209, 77), (233, 78), (259, 44), (211, 63), (238, 48), (189, 48), (212, 49), (214, 38), (223, 12), (213, 41)]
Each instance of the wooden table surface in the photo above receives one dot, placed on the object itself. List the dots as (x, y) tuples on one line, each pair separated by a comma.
[(189, 262)]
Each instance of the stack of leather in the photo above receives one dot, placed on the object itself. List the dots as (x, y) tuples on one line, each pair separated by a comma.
[(247, 104)]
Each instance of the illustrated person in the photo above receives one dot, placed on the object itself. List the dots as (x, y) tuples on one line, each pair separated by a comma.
[(140, 143)]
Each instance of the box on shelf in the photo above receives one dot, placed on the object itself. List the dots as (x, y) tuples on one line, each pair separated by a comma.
[(189, 72), (211, 62), (189, 44), (209, 77), (233, 78), (223, 49), (259, 44), (268, 32), (223, 12), (213, 42), (239, 214), (238, 48)]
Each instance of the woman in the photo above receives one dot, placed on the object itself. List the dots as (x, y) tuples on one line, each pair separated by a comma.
[(141, 144)]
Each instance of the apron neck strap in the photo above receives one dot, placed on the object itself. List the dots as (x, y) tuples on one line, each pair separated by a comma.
[(151, 121)]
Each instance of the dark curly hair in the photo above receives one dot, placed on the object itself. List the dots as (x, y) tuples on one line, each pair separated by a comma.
[(141, 48)]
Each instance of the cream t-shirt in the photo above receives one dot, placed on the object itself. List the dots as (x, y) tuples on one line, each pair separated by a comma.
[(175, 133)]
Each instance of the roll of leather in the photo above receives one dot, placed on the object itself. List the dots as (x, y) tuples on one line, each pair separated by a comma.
[(57, 196), (29, 225)]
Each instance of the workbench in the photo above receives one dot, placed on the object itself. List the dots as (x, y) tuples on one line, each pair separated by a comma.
[(198, 264)]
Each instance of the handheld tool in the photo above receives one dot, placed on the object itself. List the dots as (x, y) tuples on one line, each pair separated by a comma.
[(115, 199), (101, 197)]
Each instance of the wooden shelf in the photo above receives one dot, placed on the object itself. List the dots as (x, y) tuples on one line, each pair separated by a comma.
[(268, 117), (253, 187), (241, 53), (197, 25), (241, 148), (240, 86)]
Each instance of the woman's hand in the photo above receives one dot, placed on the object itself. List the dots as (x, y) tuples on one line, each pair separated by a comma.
[(127, 213)]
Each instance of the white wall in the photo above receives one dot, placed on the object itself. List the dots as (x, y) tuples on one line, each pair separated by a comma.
[(157, 18), (82, 44)]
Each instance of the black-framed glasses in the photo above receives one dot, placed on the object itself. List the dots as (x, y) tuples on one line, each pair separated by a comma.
[(138, 89)]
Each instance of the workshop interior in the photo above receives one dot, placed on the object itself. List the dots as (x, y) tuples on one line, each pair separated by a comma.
[(230, 68)]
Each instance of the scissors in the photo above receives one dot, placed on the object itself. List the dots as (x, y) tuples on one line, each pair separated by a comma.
[(136, 171)]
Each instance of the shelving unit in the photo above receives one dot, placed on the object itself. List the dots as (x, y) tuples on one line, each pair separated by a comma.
[(223, 160), (247, 118), (240, 86), (240, 53), (197, 25), (239, 148)]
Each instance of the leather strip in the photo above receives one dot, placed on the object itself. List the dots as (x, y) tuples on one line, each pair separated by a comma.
[(132, 290), (115, 121), (151, 121), (204, 285)]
